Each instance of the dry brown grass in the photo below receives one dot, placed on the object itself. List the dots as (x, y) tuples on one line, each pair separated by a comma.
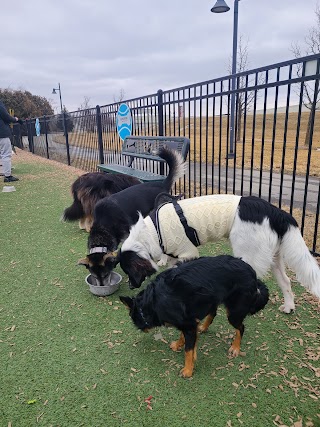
[(205, 145), (202, 147)]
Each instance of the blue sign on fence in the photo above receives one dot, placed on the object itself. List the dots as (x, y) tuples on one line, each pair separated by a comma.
[(124, 121), (37, 126)]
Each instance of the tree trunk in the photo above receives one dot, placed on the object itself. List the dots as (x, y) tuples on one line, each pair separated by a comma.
[(307, 138), (239, 123)]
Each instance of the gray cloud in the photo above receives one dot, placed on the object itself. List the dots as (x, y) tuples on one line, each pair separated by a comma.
[(95, 49)]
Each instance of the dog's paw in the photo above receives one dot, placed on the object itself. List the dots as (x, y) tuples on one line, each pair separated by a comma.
[(234, 351), (186, 372), (175, 346), (202, 328), (163, 260), (287, 308)]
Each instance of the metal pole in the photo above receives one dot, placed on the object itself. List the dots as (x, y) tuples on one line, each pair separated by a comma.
[(60, 97), (233, 81)]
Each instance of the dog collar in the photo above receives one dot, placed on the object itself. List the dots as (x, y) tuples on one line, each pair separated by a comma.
[(98, 249)]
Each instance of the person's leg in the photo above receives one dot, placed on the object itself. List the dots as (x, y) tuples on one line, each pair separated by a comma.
[(6, 153)]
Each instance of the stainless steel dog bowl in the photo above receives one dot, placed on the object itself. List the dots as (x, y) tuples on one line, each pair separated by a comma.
[(108, 289)]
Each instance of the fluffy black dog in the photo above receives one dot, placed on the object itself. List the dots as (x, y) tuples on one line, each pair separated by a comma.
[(184, 295), (88, 189), (114, 215)]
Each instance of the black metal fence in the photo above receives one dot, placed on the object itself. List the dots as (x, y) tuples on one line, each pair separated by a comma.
[(275, 154)]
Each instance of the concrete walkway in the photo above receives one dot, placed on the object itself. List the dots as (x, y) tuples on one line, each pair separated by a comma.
[(313, 186)]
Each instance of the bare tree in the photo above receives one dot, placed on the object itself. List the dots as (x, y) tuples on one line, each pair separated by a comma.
[(88, 120), (86, 103), (117, 99), (310, 98)]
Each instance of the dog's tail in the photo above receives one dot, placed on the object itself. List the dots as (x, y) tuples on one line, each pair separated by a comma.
[(176, 165), (299, 259), (75, 211), (262, 297)]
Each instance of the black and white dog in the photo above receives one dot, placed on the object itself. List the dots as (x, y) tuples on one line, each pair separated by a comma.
[(261, 234)]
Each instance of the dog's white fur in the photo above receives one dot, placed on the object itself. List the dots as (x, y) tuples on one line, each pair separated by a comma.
[(257, 244)]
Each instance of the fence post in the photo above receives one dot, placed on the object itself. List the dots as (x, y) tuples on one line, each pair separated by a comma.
[(30, 137), (66, 136), (160, 112), (46, 133), (99, 130), (160, 121)]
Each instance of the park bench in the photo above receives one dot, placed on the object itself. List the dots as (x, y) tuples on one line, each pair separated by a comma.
[(140, 155)]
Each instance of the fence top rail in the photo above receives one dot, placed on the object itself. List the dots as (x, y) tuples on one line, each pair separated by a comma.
[(245, 73), (194, 85), (129, 100)]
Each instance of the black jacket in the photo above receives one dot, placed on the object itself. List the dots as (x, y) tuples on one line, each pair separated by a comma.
[(5, 120)]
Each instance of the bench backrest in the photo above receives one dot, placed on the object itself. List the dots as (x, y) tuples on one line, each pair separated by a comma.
[(147, 147)]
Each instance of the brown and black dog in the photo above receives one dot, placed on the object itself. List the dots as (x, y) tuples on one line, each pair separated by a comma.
[(192, 291), (88, 189)]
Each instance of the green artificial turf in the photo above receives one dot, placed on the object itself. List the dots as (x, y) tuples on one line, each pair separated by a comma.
[(69, 358)]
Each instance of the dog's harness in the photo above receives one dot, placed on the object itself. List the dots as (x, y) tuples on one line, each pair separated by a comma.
[(191, 233)]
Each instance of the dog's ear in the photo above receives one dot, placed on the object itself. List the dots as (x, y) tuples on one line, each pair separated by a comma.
[(127, 301), (117, 258), (83, 261)]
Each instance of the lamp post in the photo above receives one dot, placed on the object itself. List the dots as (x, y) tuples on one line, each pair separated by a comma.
[(221, 7), (54, 93)]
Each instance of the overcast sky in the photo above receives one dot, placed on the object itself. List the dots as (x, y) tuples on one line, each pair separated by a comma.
[(96, 48)]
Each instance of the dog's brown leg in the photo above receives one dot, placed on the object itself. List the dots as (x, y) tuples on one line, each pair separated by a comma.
[(82, 223), (177, 345), (234, 350), (88, 223), (203, 327), (190, 353)]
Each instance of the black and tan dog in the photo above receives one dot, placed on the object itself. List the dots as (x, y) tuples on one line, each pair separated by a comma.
[(88, 189), (192, 291), (114, 215)]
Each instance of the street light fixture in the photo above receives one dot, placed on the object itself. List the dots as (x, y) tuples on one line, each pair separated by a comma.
[(54, 93), (220, 7)]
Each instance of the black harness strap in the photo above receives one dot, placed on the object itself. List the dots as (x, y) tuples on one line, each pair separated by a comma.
[(191, 233), (154, 215)]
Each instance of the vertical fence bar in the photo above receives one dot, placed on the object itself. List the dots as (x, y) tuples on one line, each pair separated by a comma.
[(160, 112), (285, 138), (213, 136), (66, 136), (160, 121), (253, 135), (313, 113), (30, 137), (316, 225), (263, 132), (46, 134), (297, 141), (244, 132), (99, 130), (274, 127)]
